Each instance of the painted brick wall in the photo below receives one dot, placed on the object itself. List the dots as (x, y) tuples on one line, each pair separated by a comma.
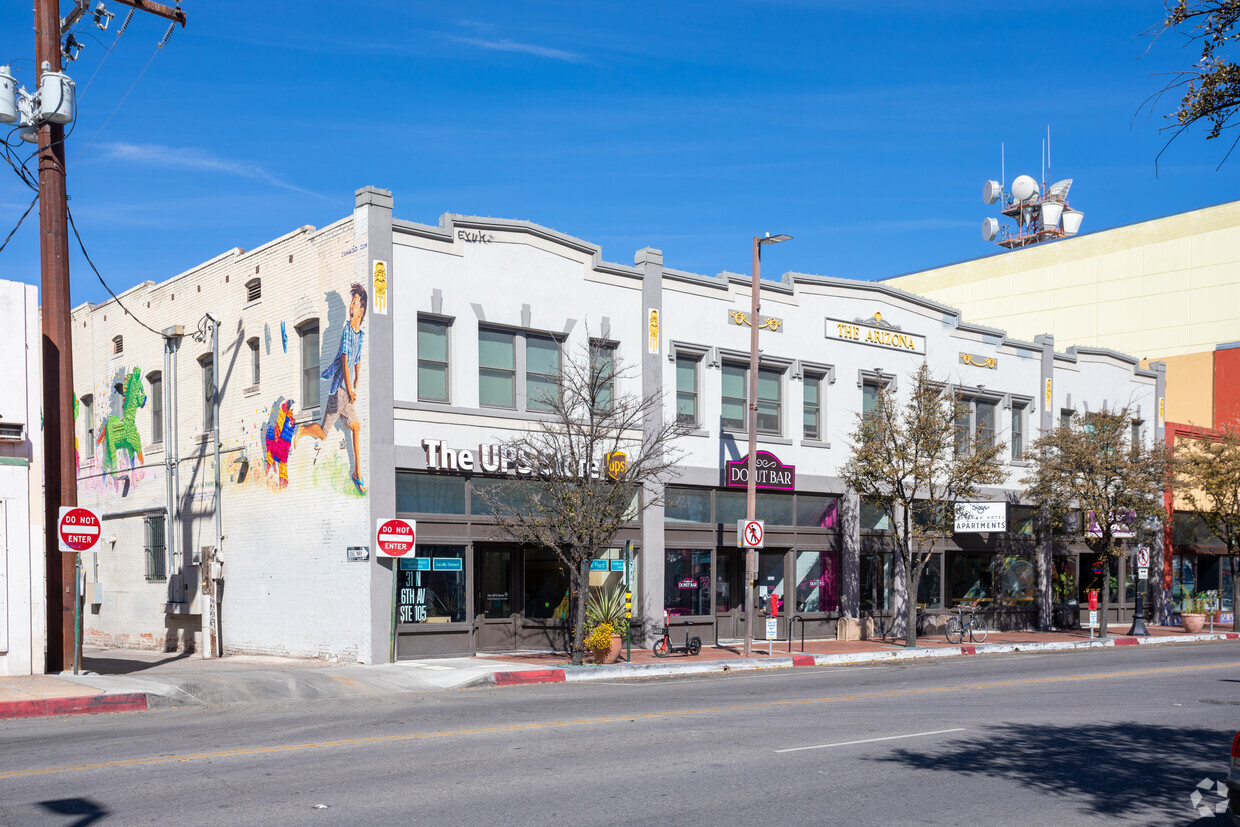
[(284, 535)]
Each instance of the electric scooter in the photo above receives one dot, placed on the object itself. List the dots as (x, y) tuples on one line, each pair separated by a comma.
[(664, 646)]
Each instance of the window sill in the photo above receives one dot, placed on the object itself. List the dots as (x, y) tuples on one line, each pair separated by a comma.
[(426, 401), (742, 436), (1019, 463), (814, 443), (250, 391)]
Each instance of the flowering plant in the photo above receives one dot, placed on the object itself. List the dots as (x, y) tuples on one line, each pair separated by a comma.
[(600, 636)]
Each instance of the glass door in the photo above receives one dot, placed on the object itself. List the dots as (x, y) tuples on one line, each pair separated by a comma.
[(495, 606), (730, 594)]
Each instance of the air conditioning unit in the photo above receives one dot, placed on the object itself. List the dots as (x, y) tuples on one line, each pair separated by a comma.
[(12, 431)]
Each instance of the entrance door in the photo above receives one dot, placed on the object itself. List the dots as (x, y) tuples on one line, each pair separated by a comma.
[(730, 594), (770, 581), (495, 608)]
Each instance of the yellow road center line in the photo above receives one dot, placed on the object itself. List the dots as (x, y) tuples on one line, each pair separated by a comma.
[(417, 736)]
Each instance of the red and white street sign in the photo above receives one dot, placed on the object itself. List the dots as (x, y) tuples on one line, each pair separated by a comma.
[(751, 533), (1143, 556), (395, 537), (78, 529)]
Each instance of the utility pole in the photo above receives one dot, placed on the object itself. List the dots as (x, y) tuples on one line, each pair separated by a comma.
[(60, 462)]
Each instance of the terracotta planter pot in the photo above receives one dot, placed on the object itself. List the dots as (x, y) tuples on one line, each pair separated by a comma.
[(612, 653), (1192, 623)]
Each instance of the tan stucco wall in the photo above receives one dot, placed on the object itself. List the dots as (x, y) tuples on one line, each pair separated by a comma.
[(1158, 289), (1190, 389)]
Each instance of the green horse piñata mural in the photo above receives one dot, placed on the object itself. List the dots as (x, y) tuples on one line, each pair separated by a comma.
[(120, 433)]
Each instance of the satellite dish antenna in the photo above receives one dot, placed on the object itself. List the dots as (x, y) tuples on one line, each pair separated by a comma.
[(1058, 191), (990, 228), (992, 191), (1024, 188)]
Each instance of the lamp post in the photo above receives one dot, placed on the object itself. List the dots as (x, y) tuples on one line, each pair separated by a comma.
[(751, 491)]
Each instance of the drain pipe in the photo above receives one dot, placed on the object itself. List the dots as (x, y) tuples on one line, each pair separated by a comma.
[(208, 566)]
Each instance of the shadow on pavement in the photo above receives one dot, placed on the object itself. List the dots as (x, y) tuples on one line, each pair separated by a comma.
[(128, 665), (1143, 772), (89, 811)]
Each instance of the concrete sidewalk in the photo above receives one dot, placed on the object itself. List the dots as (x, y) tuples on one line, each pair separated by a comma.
[(132, 680)]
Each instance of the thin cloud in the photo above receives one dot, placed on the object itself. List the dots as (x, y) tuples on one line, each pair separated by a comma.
[(507, 45), (156, 155)]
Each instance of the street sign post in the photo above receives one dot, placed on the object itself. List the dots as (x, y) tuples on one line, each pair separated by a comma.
[(78, 529), (1143, 574), (395, 537)]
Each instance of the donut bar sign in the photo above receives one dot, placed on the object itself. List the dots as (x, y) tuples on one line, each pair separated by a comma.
[(771, 473)]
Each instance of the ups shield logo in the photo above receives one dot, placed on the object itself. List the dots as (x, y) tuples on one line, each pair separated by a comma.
[(617, 464)]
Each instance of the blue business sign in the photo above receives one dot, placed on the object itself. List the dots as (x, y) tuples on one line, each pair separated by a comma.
[(449, 564), (415, 564), (598, 565)]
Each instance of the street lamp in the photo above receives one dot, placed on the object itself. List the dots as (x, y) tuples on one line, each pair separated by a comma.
[(751, 492)]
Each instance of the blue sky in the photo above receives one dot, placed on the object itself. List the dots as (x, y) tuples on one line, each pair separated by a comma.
[(864, 130)]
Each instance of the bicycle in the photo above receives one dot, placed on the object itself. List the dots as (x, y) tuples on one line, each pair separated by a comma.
[(966, 618)]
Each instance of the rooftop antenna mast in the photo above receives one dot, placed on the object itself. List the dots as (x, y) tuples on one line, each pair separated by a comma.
[(1041, 212)]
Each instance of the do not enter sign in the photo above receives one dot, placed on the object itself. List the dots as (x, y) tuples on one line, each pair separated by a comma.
[(78, 529), (395, 537)]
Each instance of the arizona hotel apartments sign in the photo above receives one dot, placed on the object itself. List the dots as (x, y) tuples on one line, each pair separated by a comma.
[(974, 518), (875, 333)]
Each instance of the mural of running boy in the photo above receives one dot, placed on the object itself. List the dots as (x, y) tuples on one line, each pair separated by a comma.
[(343, 373)]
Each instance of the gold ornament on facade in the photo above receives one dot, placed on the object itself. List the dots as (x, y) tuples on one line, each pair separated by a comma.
[(979, 361), (742, 318), (381, 287), (654, 331)]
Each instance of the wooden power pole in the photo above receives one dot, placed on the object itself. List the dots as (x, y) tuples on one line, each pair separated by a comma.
[(59, 456)]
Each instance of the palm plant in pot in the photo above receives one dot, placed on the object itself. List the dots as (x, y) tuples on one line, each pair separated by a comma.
[(1193, 612), (605, 621)]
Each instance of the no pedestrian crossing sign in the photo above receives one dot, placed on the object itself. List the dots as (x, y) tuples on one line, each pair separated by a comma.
[(749, 533), (1143, 556), (395, 537), (78, 529)]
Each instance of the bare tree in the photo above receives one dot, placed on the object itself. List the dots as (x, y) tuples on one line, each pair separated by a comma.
[(1090, 464), (915, 463), (1207, 475), (1209, 91), (595, 461)]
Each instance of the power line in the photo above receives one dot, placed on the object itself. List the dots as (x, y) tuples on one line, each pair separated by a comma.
[(69, 213), (19, 222)]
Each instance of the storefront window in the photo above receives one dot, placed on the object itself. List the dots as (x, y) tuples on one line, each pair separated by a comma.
[(1091, 577), (1021, 520), (1183, 577), (969, 577), (818, 581), (1226, 604), (427, 494), (774, 509), (430, 588), (686, 582), (1063, 580), (1017, 581), (546, 585), (874, 517), (607, 571), (770, 578), (875, 582), (817, 511), (515, 493), (687, 505), (929, 587)]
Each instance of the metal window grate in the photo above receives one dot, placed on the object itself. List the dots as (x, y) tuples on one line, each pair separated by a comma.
[(253, 290), (118, 344)]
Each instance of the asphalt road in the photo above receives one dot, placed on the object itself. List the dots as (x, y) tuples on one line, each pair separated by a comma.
[(1114, 736)]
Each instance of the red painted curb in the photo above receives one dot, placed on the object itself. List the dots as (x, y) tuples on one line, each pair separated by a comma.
[(803, 660), (1126, 641), (968, 650), (90, 705), (1233, 637), (530, 676)]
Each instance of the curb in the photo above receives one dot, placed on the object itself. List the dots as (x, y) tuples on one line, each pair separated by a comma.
[(87, 705), (575, 674)]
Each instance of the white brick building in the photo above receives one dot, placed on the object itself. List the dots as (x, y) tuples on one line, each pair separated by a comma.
[(463, 321)]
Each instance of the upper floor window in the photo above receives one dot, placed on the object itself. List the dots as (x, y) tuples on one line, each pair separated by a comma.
[(432, 360), (603, 372), (735, 397), (1065, 418), (308, 332), (254, 372), (118, 345), (812, 406), (497, 368), (687, 390), (1018, 432), (253, 290), (208, 393), (542, 372), (156, 397), (975, 424), (870, 389)]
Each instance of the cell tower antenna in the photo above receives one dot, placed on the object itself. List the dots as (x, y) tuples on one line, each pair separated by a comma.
[(1002, 163), (1048, 152), (1043, 163)]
